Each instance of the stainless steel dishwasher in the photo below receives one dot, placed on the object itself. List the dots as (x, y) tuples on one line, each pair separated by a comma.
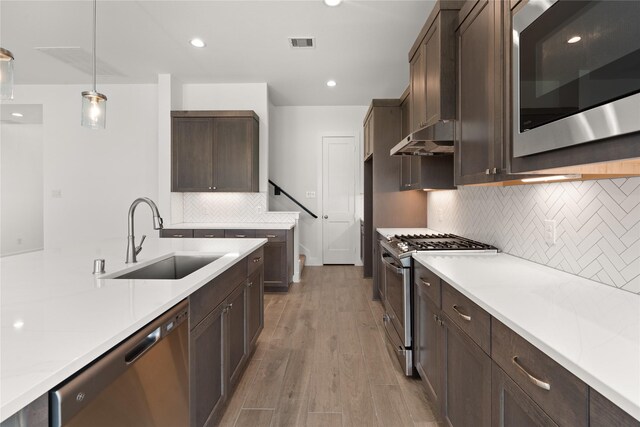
[(144, 381)]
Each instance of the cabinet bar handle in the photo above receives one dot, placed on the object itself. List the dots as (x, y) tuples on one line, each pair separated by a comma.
[(543, 385), (257, 259), (464, 316), (209, 235), (271, 236), (177, 235), (424, 282), (241, 235)]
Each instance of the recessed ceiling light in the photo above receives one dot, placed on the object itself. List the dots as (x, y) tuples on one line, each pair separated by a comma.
[(332, 2), (574, 39), (331, 83), (17, 114), (197, 43)]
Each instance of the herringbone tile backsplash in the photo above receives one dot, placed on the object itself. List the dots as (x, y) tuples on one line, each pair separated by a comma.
[(598, 224), (231, 207)]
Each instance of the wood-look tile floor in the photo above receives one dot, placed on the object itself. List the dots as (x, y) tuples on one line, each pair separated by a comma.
[(321, 361)]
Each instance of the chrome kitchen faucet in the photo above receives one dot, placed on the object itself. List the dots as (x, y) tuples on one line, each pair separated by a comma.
[(132, 249)]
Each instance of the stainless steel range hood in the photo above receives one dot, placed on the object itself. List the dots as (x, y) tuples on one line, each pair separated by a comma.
[(428, 141)]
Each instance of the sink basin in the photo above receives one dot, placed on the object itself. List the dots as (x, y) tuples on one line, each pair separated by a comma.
[(172, 268)]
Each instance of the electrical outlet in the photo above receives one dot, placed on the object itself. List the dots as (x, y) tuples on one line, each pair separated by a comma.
[(550, 232), (311, 194), (56, 194)]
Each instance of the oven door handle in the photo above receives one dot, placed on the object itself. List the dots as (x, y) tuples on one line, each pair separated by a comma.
[(392, 266)]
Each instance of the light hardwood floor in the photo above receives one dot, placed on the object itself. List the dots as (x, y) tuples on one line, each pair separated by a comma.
[(321, 361)]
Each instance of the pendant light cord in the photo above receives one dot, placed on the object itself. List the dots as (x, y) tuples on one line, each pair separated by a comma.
[(95, 23)]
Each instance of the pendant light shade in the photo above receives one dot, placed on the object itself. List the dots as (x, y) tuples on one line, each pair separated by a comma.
[(94, 104), (6, 74), (94, 110)]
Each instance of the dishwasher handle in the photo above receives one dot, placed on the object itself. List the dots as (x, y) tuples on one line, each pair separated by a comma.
[(76, 393), (392, 266)]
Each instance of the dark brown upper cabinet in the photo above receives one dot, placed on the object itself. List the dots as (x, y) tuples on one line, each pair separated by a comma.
[(409, 165), (214, 151), (432, 68)]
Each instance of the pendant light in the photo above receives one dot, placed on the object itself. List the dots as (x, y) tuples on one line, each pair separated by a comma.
[(6, 74), (94, 104)]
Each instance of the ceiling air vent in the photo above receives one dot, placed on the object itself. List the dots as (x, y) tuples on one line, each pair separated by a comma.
[(80, 59), (302, 42)]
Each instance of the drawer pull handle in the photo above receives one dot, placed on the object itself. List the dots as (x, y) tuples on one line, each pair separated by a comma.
[(424, 282), (177, 235), (240, 236), (271, 236), (543, 385), (464, 316), (257, 259), (209, 235)]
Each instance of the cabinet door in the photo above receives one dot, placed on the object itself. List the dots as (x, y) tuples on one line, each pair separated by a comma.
[(191, 154), (235, 154), (206, 367), (418, 90), (255, 307), (511, 407), (432, 73), (603, 413), (275, 265), (467, 380), (405, 173), (428, 339), (236, 312), (477, 129)]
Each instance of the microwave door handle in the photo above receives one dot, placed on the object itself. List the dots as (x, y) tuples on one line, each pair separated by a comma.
[(390, 265)]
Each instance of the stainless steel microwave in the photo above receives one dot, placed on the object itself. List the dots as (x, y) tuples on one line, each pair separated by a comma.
[(576, 73)]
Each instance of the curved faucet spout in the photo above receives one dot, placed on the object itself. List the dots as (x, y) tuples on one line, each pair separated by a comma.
[(132, 250)]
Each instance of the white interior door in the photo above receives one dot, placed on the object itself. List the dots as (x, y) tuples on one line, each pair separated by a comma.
[(338, 199)]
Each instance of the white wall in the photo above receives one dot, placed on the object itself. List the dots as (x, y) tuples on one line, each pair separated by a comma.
[(295, 163), (22, 194), (98, 173)]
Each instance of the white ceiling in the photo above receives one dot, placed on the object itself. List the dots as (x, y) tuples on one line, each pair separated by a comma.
[(363, 45)]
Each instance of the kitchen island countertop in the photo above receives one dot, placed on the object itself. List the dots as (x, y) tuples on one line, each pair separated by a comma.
[(591, 329), (57, 317)]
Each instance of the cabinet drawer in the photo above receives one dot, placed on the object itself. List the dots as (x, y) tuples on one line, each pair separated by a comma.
[(255, 260), (469, 316), (208, 233), (272, 235), (202, 301), (428, 282), (240, 234), (558, 392), (176, 233)]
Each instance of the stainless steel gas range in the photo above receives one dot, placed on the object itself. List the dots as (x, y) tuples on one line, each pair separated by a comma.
[(396, 252)]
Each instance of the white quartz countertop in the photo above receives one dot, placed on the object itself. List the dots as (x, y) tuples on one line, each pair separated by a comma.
[(56, 316), (234, 225), (591, 329), (388, 232)]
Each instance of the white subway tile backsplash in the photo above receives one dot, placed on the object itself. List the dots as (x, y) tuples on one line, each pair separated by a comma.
[(598, 224)]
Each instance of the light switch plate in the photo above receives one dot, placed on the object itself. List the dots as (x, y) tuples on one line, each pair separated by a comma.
[(550, 232), (311, 194)]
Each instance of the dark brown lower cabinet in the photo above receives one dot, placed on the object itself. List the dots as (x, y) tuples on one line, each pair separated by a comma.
[(467, 380), (222, 340), (427, 344), (603, 413), (275, 267), (207, 369), (512, 407), (236, 319)]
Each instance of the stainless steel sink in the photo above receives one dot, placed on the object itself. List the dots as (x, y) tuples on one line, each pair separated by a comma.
[(172, 268)]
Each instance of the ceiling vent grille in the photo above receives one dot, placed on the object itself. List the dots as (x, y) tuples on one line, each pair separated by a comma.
[(302, 42), (81, 60)]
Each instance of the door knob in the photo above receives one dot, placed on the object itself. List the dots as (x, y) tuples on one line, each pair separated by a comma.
[(326, 217)]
